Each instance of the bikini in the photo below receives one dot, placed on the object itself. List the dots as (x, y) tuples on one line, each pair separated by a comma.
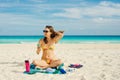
[(46, 48)]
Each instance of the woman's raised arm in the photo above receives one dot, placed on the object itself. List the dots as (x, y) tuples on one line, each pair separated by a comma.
[(58, 36)]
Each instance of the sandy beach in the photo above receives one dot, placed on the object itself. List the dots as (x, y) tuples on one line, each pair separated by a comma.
[(100, 61)]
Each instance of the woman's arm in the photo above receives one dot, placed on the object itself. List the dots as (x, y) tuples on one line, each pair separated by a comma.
[(58, 36), (39, 47)]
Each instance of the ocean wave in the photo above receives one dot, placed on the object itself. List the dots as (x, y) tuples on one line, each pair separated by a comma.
[(63, 41), (91, 42), (10, 42)]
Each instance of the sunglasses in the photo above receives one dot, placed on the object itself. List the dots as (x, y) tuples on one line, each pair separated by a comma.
[(45, 31)]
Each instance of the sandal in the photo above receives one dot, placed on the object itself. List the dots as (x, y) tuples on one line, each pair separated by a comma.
[(75, 66)]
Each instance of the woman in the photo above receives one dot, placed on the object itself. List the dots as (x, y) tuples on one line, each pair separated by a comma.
[(47, 45)]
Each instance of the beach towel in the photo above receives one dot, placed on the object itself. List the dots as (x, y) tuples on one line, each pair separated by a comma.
[(55, 70)]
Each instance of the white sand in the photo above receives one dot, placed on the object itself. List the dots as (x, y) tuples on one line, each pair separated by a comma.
[(100, 61)]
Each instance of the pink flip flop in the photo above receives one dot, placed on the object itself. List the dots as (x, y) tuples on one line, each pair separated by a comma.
[(75, 66)]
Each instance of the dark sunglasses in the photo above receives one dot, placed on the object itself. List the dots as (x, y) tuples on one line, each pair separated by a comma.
[(45, 31)]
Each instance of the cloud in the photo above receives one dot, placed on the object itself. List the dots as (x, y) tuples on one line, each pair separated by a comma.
[(14, 24), (24, 20), (103, 9), (105, 20), (19, 1), (37, 1), (110, 4), (78, 18), (69, 12)]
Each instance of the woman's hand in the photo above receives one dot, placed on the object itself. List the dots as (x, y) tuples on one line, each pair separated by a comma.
[(61, 31), (38, 51)]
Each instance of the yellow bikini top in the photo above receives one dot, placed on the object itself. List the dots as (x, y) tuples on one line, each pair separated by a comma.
[(46, 47)]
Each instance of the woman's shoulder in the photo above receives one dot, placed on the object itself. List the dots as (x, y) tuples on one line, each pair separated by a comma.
[(41, 39)]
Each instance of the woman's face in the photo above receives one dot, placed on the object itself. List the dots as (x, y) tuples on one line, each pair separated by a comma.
[(47, 32)]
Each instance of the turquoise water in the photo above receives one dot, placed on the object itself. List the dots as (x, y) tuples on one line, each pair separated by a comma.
[(65, 39)]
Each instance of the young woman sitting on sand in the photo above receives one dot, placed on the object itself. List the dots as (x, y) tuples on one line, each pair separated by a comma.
[(47, 45)]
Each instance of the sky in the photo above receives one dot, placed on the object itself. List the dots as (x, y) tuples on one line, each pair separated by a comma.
[(75, 17)]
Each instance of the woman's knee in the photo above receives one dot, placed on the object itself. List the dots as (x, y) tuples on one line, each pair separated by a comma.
[(35, 62), (59, 61)]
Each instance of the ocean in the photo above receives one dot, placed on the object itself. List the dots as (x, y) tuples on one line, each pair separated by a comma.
[(66, 39)]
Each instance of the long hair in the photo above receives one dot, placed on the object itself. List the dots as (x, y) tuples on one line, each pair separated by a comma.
[(52, 35)]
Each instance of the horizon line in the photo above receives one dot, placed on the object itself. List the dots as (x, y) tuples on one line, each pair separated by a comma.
[(64, 35)]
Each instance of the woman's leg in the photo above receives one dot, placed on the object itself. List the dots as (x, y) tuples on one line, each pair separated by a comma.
[(55, 63), (40, 63)]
